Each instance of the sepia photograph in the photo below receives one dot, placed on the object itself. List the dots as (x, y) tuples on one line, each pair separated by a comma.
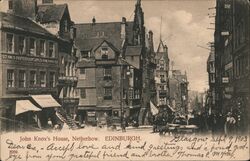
[(124, 80)]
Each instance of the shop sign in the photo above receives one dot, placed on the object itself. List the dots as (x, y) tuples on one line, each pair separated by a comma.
[(224, 33), (27, 59)]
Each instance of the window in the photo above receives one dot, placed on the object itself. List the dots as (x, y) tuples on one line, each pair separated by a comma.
[(32, 46), (10, 78), (82, 71), (51, 50), (107, 93), (83, 93), (52, 79), (32, 78), (84, 54), (162, 78), (10, 43), (116, 113), (22, 78), (132, 58), (42, 48), (107, 72), (137, 94), (104, 52), (21, 44), (65, 26), (161, 87), (131, 94), (10, 4), (43, 79)]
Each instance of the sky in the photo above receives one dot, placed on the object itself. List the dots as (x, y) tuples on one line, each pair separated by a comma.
[(184, 25)]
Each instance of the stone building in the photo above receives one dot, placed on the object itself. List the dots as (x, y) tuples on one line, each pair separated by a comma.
[(162, 74), (178, 90), (128, 40), (56, 19), (232, 59), (28, 70)]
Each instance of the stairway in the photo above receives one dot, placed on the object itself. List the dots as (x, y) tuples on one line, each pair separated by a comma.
[(63, 116)]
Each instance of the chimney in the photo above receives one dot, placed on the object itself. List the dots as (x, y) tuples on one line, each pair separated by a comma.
[(151, 39), (123, 28), (24, 8), (93, 20)]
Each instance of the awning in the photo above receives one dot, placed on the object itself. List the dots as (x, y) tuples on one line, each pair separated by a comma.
[(25, 106), (45, 101)]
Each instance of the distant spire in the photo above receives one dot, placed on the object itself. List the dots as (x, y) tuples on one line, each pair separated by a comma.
[(160, 29)]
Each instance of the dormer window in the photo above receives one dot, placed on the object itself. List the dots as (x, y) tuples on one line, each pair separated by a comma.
[(104, 52)]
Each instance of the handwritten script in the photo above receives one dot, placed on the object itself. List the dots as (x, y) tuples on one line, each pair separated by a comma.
[(123, 147)]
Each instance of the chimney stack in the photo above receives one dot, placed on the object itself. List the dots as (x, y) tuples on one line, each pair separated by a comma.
[(123, 28)]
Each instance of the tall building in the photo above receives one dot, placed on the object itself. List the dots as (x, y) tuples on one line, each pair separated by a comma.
[(128, 41), (162, 74), (178, 89), (232, 59), (56, 19), (211, 80), (28, 71)]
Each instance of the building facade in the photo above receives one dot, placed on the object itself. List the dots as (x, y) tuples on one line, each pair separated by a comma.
[(29, 65), (162, 74), (232, 59)]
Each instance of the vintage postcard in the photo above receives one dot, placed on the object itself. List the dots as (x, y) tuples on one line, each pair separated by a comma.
[(124, 80)]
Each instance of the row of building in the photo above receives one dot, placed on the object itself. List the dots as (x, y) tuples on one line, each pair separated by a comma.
[(228, 62), (55, 70)]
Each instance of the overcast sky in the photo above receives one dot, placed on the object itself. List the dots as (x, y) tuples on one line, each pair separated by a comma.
[(184, 26)]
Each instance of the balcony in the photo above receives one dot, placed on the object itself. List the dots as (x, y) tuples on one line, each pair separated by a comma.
[(67, 79)]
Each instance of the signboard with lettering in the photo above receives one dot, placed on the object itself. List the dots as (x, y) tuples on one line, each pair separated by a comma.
[(28, 58)]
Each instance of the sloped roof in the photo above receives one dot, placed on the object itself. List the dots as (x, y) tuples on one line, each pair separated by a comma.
[(211, 57), (86, 63), (161, 47), (133, 51), (87, 37), (21, 23), (109, 44), (51, 12)]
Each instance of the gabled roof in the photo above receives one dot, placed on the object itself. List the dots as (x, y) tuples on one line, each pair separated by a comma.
[(87, 37), (21, 23), (211, 57), (51, 12), (109, 44), (133, 51), (161, 47)]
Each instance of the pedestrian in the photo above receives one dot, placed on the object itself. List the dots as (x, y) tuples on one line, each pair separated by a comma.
[(230, 124)]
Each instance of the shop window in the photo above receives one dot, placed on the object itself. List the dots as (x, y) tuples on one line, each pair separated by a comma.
[(51, 50), (22, 78), (10, 43), (21, 44), (10, 78), (52, 79), (43, 79), (83, 93), (42, 48), (32, 78), (108, 93)]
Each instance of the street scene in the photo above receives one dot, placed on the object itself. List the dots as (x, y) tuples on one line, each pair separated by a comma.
[(135, 66)]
